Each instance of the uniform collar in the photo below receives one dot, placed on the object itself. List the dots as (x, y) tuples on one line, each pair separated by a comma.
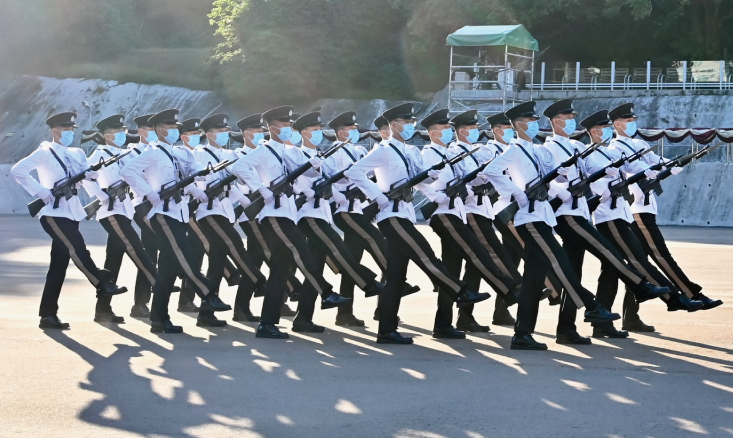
[(57, 146), (463, 143), (438, 147), (163, 145), (273, 143), (523, 143), (560, 139), (306, 150), (397, 143)]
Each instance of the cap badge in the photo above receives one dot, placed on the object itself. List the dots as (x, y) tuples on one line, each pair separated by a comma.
[(224, 120), (72, 118)]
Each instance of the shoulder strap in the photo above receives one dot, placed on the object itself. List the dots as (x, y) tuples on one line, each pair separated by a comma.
[(212, 154), (633, 151), (349, 154), (534, 162), (465, 149), (170, 157), (279, 159), (61, 162), (562, 147), (404, 160)]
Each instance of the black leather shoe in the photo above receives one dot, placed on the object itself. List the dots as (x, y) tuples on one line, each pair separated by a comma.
[(188, 307), (393, 338), (503, 317), (681, 302), (215, 303), (107, 288), (650, 291), (349, 320), (374, 289), (270, 331), (572, 338), (140, 311), (108, 317), (448, 333), (285, 310), (307, 327), (637, 325), (511, 298), (234, 280), (547, 293), (294, 296), (467, 297), (707, 303), (244, 316), (165, 327), (472, 326), (53, 322), (526, 342), (259, 292), (410, 289), (377, 314), (600, 314), (607, 330), (554, 298), (335, 300), (175, 289), (209, 320)]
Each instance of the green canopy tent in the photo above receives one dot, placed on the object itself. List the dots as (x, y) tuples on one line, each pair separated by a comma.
[(492, 81)]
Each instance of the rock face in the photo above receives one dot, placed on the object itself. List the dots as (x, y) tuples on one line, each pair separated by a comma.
[(699, 196)]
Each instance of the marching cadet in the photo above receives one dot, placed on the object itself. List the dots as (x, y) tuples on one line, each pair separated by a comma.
[(393, 164), (458, 241), (288, 245), (253, 134), (216, 217), (479, 217), (162, 164), (526, 164), (55, 161), (644, 224), (116, 215), (316, 224), (577, 233)]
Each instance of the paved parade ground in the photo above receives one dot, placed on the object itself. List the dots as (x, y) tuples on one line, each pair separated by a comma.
[(100, 380)]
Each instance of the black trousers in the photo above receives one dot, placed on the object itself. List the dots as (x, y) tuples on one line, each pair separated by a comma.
[(225, 241), (176, 257), (289, 249), (123, 239), (67, 244), (483, 228), (515, 247), (647, 231), (619, 233), (259, 253), (579, 236), (325, 242), (143, 286), (405, 243), (458, 243), (359, 235), (542, 254)]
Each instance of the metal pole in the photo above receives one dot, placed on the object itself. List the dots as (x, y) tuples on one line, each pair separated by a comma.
[(450, 79), (648, 73), (542, 78), (684, 75), (531, 89), (577, 74), (613, 73), (506, 72), (722, 74)]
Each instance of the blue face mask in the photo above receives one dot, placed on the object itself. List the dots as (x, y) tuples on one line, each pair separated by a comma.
[(353, 136), (152, 137), (607, 134), (258, 137), (285, 134), (296, 138), (316, 137), (222, 138), (194, 140), (119, 139), (67, 137), (569, 128), (172, 136), (472, 136), (508, 135), (533, 128), (446, 136), (630, 129), (408, 130)]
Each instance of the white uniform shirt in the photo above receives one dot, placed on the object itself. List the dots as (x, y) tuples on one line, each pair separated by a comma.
[(107, 176), (495, 149), (261, 167), (49, 172), (522, 171), (343, 158), (244, 188), (630, 146), (210, 155), (602, 157), (389, 169), (306, 182), (153, 168), (432, 155), (137, 149), (561, 149), (468, 165)]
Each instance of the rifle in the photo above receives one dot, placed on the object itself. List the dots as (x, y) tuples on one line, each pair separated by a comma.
[(538, 190), (65, 186), (655, 184), (283, 184), (582, 187), (214, 189), (116, 191), (173, 189), (457, 187), (322, 188), (403, 192)]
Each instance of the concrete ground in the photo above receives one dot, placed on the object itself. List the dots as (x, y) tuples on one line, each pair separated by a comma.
[(105, 380)]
